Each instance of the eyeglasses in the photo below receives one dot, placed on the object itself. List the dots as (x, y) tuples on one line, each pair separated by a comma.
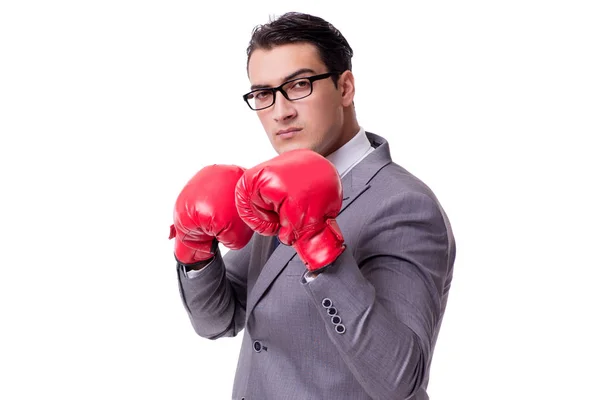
[(294, 89)]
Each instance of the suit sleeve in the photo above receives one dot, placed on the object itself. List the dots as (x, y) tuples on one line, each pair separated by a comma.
[(215, 296), (388, 294)]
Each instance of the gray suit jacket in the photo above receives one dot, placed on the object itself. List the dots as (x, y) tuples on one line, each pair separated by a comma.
[(363, 329)]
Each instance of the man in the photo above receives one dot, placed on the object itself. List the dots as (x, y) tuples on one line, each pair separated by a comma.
[(341, 260)]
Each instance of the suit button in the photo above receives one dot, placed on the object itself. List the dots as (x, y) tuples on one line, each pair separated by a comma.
[(340, 328), (326, 302), (257, 346), (331, 311), (336, 320)]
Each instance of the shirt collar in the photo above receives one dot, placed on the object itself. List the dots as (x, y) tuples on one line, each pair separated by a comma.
[(350, 153)]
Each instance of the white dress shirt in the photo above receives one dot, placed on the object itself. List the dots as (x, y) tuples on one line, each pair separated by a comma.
[(350, 154), (344, 159)]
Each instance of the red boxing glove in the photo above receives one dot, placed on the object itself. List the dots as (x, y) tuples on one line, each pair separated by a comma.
[(297, 195), (204, 211)]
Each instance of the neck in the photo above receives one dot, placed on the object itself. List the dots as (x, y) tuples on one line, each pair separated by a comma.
[(349, 129)]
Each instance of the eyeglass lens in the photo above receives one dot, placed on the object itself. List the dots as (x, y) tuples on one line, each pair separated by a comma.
[(295, 90)]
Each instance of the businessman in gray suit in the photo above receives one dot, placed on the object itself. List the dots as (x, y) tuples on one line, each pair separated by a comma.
[(340, 260)]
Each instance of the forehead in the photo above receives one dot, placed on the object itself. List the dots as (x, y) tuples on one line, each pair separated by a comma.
[(270, 67)]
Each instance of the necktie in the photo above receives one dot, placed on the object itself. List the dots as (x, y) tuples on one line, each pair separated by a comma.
[(275, 244)]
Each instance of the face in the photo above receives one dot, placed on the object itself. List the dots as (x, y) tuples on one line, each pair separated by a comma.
[(315, 122)]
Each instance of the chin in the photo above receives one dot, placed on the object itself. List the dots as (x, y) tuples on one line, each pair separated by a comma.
[(291, 145)]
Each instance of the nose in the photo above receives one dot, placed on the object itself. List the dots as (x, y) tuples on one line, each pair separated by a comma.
[(283, 109)]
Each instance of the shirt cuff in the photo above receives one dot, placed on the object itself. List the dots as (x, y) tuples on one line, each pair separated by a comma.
[(192, 273), (308, 277)]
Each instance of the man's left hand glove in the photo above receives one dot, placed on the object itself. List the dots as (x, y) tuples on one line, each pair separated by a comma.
[(296, 195)]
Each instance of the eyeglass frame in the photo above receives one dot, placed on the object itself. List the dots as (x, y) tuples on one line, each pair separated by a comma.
[(279, 88)]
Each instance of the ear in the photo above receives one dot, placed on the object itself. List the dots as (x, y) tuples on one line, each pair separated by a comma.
[(346, 86)]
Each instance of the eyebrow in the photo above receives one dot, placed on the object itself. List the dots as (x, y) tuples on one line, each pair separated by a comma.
[(287, 78)]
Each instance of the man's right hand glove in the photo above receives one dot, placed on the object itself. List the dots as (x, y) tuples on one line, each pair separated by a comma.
[(297, 196), (205, 213)]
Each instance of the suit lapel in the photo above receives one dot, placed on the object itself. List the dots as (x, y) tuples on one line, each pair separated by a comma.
[(353, 185), (272, 268), (351, 195)]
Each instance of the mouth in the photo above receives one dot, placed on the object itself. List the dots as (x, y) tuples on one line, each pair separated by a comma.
[(288, 133)]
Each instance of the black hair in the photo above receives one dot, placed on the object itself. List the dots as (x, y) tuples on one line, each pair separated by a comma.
[(294, 27)]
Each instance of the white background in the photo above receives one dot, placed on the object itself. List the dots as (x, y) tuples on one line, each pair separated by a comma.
[(108, 108)]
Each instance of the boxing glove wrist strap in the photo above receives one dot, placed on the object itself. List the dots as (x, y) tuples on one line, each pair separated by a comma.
[(318, 249), (201, 252)]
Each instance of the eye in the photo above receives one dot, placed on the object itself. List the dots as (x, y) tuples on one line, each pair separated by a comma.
[(264, 94), (303, 84)]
